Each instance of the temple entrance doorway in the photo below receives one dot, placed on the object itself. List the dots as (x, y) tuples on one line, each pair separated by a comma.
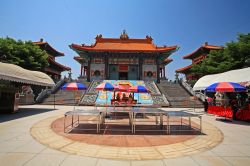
[(123, 75)]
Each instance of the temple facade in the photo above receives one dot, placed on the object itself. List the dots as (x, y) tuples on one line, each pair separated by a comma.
[(197, 57), (54, 69), (123, 58)]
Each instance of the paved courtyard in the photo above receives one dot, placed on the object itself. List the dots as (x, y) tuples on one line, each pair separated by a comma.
[(228, 144)]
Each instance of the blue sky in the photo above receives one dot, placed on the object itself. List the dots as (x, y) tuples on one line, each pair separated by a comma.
[(186, 23)]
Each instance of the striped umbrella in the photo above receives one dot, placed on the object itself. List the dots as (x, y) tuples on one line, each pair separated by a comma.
[(138, 89), (74, 86), (225, 87), (105, 86)]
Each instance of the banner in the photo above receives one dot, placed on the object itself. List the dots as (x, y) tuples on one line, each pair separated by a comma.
[(123, 68)]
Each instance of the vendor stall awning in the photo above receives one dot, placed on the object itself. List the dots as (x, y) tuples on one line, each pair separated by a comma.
[(16, 73), (241, 76)]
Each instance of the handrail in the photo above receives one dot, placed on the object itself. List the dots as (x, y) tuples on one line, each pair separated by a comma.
[(200, 95), (187, 87), (90, 91), (58, 85), (46, 92)]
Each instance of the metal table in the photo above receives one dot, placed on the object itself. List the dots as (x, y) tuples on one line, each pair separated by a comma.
[(78, 113), (132, 111), (108, 110), (139, 110), (182, 114)]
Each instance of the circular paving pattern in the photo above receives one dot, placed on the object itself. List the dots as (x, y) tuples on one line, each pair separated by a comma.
[(49, 132), (117, 133)]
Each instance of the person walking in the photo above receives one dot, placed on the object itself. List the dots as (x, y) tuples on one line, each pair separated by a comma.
[(205, 105)]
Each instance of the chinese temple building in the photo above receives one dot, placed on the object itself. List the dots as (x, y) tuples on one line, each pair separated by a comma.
[(123, 58), (54, 69), (197, 57)]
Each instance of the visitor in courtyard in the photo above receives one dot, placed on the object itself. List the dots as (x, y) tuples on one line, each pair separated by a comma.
[(130, 98), (118, 97), (209, 100), (124, 97), (205, 105), (234, 107)]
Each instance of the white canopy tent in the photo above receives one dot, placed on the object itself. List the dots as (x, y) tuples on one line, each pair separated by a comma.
[(238, 76), (10, 72)]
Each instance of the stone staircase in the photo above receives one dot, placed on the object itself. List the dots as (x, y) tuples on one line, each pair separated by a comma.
[(157, 97), (90, 96), (178, 96), (60, 97), (47, 92), (64, 98)]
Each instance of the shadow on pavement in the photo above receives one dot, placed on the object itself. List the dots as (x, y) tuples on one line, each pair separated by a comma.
[(229, 121), (23, 112)]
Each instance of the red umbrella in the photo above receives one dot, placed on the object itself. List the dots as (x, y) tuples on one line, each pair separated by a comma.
[(120, 88)]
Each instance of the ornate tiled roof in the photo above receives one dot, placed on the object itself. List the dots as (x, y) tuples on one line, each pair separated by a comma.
[(48, 47), (123, 44), (181, 70), (64, 68), (201, 49)]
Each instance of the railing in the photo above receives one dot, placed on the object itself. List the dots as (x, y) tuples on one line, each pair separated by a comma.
[(152, 87), (157, 96), (58, 85), (187, 87), (91, 94), (200, 95), (46, 92), (43, 94)]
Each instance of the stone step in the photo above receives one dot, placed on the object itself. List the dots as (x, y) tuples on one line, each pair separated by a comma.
[(177, 95)]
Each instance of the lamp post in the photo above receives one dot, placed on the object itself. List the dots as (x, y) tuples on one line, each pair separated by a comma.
[(70, 75), (177, 77)]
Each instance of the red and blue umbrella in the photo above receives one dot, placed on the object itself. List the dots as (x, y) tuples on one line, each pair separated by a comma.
[(105, 86), (138, 89), (74, 86), (226, 87)]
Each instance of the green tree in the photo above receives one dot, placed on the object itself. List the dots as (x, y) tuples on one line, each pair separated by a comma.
[(24, 54), (235, 55)]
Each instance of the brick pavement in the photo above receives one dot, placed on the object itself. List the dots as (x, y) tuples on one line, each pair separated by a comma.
[(19, 148)]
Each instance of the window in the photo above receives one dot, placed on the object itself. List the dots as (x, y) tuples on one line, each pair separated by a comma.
[(149, 74), (97, 73)]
